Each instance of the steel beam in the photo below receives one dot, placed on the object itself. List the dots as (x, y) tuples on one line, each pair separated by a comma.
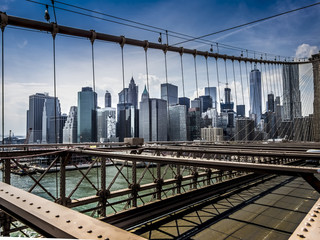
[(51, 27), (53, 220)]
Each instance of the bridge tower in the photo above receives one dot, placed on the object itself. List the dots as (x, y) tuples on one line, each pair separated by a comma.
[(315, 59)]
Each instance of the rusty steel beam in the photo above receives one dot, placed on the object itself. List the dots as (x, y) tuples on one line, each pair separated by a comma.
[(89, 34), (53, 220), (309, 228)]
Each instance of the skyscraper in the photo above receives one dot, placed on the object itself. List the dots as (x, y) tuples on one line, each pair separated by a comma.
[(291, 92), (169, 92), (255, 95), (106, 124), (153, 115), (50, 128), (178, 123), (133, 94), (227, 105), (70, 126), (87, 115), (206, 103), (107, 99), (185, 101), (212, 92), (270, 102), (37, 113)]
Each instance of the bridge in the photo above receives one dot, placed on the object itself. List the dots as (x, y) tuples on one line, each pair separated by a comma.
[(169, 189)]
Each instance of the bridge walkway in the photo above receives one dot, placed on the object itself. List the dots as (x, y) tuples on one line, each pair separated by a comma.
[(267, 209)]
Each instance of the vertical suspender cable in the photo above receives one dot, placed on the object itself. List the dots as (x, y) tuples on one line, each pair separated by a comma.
[(146, 57), (207, 73), (241, 82), (248, 85), (195, 71), (93, 36), (182, 75), (2, 75), (123, 40), (218, 80), (234, 83), (166, 70), (54, 33)]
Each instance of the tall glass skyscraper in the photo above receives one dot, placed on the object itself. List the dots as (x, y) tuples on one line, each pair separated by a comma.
[(70, 126), (255, 95), (50, 128), (212, 92), (291, 92), (107, 99), (87, 115), (169, 92)]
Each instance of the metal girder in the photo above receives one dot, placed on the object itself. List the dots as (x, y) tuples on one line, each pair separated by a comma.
[(217, 164), (53, 220), (49, 27), (309, 228)]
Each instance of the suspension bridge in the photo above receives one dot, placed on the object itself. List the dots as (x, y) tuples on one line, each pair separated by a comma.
[(174, 189)]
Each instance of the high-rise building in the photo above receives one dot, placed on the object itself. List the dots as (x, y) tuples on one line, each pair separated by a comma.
[(194, 121), (227, 105), (315, 60), (271, 102), (169, 92), (185, 101), (196, 103), (291, 92), (60, 122), (178, 123), (244, 129), (133, 94), (70, 126), (153, 115), (212, 92), (87, 115), (241, 110), (107, 99), (206, 103), (212, 134), (106, 124), (255, 95), (50, 126), (35, 116)]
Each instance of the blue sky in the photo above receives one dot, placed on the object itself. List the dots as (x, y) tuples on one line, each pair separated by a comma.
[(28, 55)]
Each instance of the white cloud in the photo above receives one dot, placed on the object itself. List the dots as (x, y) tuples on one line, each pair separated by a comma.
[(305, 50)]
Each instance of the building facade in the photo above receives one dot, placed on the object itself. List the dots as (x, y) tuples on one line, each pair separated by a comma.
[(255, 95), (169, 92), (107, 99), (178, 123), (71, 126)]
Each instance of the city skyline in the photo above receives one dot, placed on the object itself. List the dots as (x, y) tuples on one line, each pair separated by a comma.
[(294, 38)]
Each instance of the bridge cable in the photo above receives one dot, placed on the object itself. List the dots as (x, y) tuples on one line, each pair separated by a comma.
[(167, 90), (182, 75), (218, 80), (123, 84), (234, 83), (248, 86), (241, 83), (146, 57), (195, 71), (3, 25)]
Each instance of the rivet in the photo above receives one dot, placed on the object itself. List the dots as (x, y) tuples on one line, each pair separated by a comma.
[(300, 235), (100, 236), (313, 215), (304, 229), (39, 207), (24, 200), (107, 239), (318, 207), (31, 204), (316, 211), (308, 224), (311, 219), (80, 227), (89, 231), (7, 192), (18, 197), (57, 216), (11, 195), (68, 221), (1, 190), (47, 211)]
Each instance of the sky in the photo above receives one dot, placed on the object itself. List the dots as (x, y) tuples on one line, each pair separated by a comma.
[(29, 54)]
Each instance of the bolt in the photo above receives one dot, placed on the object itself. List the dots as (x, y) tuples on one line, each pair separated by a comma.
[(18, 197), (31, 204), (89, 231), (80, 227), (68, 221), (38, 207), (308, 224), (47, 211), (300, 235), (11, 195), (1, 190), (313, 215), (24, 200), (304, 229), (316, 211), (100, 236), (311, 219), (6, 192), (57, 216)]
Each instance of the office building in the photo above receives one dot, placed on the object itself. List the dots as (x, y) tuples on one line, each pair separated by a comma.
[(244, 129), (227, 105), (206, 103), (271, 103), (50, 126), (194, 121), (185, 101), (106, 124), (153, 115), (71, 126), (178, 123), (241, 110), (255, 95), (212, 134), (87, 115), (291, 92), (212, 92), (169, 92), (107, 99)]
